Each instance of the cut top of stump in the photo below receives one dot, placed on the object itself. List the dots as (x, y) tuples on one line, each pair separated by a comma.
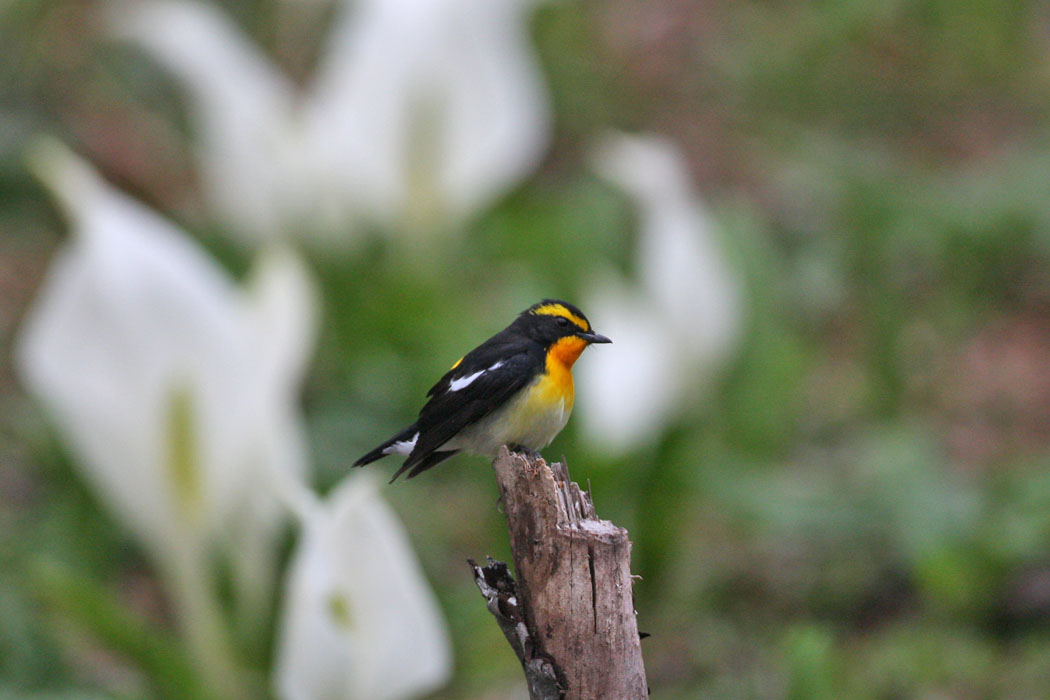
[(549, 487)]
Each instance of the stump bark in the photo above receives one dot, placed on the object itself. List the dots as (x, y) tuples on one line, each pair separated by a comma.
[(570, 615)]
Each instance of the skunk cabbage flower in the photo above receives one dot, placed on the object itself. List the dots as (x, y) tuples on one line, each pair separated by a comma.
[(359, 622), (174, 387), (435, 106), (677, 322), (253, 163), (628, 399), (422, 112)]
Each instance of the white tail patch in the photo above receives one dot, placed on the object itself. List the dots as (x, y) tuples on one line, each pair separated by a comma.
[(464, 382), (402, 447)]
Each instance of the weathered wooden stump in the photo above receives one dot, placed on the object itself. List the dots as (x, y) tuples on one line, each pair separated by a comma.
[(570, 615)]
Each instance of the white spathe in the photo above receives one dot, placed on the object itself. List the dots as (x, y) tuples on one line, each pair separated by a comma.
[(680, 262), (359, 620), (432, 100), (628, 395), (421, 112), (173, 386), (677, 321)]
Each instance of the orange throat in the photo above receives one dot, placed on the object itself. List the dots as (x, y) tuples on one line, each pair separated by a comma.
[(560, 358), (566, 351)]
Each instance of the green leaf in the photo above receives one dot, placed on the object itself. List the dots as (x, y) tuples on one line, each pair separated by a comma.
[(810, 656), (64, 694), (88, 605)]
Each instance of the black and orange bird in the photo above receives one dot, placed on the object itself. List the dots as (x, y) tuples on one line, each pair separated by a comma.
[(514, 389)]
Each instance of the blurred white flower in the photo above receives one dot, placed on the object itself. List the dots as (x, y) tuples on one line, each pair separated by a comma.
[(626, 396), (174, 387), (422, 111), (436, 104), (359, 622), (677, 323)]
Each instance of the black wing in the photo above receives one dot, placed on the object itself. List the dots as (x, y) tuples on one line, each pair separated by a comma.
[(500, 346), (449, 411)]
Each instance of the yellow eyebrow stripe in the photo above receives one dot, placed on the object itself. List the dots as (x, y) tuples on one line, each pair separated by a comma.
[(559, 310), (457, 363)]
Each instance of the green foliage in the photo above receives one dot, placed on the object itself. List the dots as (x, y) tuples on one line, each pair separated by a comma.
[(92, 608)]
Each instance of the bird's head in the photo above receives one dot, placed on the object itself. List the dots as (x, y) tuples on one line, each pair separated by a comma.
[(559, 326)]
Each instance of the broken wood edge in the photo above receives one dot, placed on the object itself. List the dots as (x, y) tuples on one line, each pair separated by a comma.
[(498, 587)]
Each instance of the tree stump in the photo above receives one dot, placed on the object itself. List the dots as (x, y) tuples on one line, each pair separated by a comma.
[(570, 616)]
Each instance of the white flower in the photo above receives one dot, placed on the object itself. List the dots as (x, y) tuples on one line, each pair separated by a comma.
[(359, 622), (677, 323), (422, 112), (439, 100), (173, 386), (626, 396)]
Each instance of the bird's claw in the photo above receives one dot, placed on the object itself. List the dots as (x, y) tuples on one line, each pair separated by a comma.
[(527, 452)]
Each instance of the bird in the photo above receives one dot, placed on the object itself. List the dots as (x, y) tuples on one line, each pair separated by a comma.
[(514, 389)]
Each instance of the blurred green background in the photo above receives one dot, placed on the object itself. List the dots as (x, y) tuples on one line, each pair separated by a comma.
[(860, 508)]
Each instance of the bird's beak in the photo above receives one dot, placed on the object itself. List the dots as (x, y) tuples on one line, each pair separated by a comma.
[(592, 337)]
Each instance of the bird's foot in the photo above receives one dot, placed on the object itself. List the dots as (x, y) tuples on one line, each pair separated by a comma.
[(521, 449)]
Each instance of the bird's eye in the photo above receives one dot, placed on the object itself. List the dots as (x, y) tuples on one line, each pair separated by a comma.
[(562, 321)]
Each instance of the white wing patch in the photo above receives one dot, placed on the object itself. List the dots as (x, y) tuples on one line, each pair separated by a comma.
[(464, 382), (461, 382), (402, 447)]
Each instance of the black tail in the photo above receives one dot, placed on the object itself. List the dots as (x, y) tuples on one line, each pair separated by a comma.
[(422, 464), (380, 452)]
